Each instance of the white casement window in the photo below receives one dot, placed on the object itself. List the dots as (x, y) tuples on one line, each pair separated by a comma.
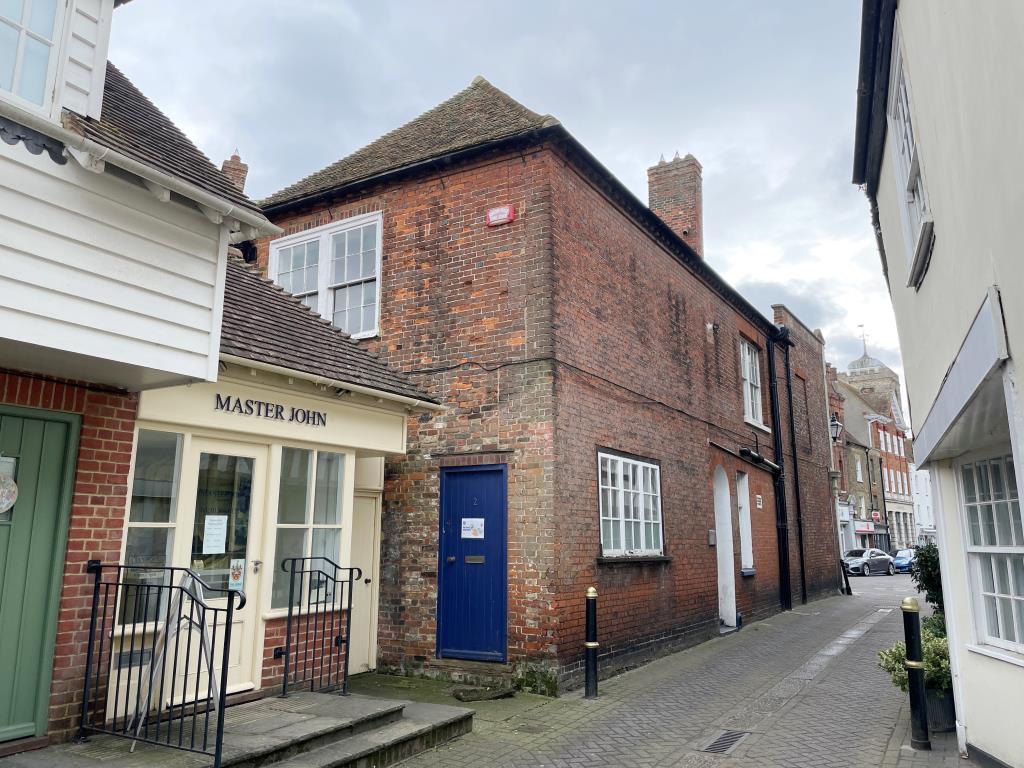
[(917, 220), (860, 473), (149, 539), (746, 532), (29, 33), (335, 270), (995, 549), (750, 373), (309, 513), (630, 499)]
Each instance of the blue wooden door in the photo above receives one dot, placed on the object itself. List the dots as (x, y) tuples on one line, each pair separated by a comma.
[(473, 571)]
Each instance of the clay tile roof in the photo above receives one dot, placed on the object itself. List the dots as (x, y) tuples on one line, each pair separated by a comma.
[(477, 115), (264, 324), (132, 125)]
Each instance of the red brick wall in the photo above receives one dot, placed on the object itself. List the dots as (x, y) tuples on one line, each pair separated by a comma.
[(97, 516), (649, 364), (474, 302), (565, 331), (813, 446)]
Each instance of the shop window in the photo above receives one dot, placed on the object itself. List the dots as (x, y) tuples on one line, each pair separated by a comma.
[(151, 519), (995, 547), (630, 500), (335, 271), (309, 513)]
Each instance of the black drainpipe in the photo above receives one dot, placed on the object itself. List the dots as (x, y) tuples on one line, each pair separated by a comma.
[(796, 469), (779, 479)]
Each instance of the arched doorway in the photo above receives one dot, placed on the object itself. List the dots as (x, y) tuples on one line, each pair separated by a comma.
[(723, 546)]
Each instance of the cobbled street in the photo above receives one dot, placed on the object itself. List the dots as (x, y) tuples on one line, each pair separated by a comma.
[(805, 685)]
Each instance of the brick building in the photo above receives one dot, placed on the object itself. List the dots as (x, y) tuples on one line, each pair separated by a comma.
[(615, 413)]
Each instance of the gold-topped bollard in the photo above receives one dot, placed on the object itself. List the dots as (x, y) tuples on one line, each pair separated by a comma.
[(915, 673), (591, 645)]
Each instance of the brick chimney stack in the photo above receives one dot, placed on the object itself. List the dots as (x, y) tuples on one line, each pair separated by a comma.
[(236, 170), (675, 194)]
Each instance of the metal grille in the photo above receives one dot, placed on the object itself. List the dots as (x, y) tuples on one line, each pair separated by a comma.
[(725, 742)]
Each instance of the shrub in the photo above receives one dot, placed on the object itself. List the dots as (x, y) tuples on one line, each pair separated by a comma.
[(926, 574), (937, 674), (934, 624)]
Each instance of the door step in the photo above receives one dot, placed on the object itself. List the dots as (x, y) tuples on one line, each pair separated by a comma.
[(421, 727), (273, 730), (479, 673)]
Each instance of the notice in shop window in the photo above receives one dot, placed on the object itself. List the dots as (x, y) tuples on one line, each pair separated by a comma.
[(215, 534)]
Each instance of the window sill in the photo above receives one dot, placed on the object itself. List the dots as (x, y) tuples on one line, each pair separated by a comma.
[(633, 559), (1010, 657), (364, 336), (922, 254), (758, 425), (746, 572)]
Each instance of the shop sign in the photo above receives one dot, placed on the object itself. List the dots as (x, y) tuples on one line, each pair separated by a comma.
[(864, 527), (266, 409)]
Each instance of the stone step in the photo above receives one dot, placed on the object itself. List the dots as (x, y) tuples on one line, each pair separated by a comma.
[(421, 727), (271, 731)]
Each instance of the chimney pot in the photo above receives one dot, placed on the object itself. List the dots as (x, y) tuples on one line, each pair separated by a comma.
[(236, 170), (675, 194)]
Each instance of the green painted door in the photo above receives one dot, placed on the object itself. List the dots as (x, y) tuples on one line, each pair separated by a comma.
[(37, 448)]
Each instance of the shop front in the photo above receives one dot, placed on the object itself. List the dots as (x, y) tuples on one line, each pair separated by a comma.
[(232, 479)]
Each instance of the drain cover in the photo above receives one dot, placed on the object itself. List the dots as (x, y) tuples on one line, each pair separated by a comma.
[(725, 742)]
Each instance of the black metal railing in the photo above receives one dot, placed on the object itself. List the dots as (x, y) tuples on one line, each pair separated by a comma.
[(158, 657), (319, 626)]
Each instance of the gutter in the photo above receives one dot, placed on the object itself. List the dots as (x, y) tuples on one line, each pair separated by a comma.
[(779, 481), (410, 402), (796, 468), (99, 154)]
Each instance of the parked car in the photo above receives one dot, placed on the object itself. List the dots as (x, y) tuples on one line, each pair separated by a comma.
[(903, 560), (865, 562)]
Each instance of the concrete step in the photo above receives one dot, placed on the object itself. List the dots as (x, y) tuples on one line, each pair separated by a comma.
[(274, 730), (421, 727)]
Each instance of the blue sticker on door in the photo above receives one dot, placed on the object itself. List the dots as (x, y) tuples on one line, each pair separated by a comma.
[(472, 577)]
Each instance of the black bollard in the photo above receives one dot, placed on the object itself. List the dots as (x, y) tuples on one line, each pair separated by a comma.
[(846, 577), (591, 645), (915, 672)]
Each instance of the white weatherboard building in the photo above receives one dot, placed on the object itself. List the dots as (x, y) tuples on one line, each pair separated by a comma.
[(941, 156)]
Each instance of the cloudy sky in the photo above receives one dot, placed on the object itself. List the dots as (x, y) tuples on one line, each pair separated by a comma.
[(762, 93)]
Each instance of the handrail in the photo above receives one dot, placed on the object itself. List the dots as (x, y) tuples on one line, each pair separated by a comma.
[(158, 657), (96, 566), (357, 571), (319, 636)]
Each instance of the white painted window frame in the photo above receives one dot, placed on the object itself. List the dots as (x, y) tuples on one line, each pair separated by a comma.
[(977, 557), (860, 470), (308, 526), (750, 377), (325, 288), (51, 104), (915, 213), (617, 491)]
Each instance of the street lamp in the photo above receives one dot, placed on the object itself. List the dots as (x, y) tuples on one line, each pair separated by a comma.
[(835, 428)]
